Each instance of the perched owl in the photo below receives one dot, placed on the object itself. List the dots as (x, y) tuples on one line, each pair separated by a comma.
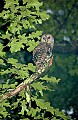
[(43, 52)]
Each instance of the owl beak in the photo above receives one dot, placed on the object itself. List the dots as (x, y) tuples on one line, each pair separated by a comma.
[(46, 40)]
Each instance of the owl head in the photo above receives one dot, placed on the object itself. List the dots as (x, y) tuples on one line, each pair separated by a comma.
[(48, 39)]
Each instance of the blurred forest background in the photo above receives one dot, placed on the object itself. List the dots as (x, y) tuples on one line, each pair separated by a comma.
[(63, 25)]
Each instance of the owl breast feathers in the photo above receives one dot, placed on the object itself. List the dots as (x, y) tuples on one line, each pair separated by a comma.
[(43, 52)]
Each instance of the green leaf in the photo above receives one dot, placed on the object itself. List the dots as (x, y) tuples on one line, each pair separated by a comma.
[(51, 79), (15, 104), (43, 15), (12, 60), (33, 111), (31, 67), (2, 62), (35, 4), (1, 50), (23, 105), (27, 97), (39, 86), (16, 46)]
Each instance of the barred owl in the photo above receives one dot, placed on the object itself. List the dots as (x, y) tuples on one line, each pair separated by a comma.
[(43, 52)]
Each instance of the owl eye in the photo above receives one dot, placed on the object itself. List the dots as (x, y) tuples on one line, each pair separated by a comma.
[(43, 38), (49, 37)]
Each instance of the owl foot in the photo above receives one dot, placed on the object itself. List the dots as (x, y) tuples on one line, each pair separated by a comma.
[(51, 61)]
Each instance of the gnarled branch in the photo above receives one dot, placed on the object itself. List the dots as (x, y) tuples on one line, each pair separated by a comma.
[(24, 84)]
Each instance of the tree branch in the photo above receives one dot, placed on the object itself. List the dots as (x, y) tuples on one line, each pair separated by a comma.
[(24, 84)]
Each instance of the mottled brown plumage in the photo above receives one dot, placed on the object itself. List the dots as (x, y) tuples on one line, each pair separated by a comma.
[(43, 52)]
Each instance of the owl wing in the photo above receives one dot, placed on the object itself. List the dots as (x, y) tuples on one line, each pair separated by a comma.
[(41, 55)]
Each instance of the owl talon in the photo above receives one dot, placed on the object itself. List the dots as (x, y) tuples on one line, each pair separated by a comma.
[(51, 61)]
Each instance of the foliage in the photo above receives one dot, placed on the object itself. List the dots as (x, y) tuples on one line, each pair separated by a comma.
[(20, 33)]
